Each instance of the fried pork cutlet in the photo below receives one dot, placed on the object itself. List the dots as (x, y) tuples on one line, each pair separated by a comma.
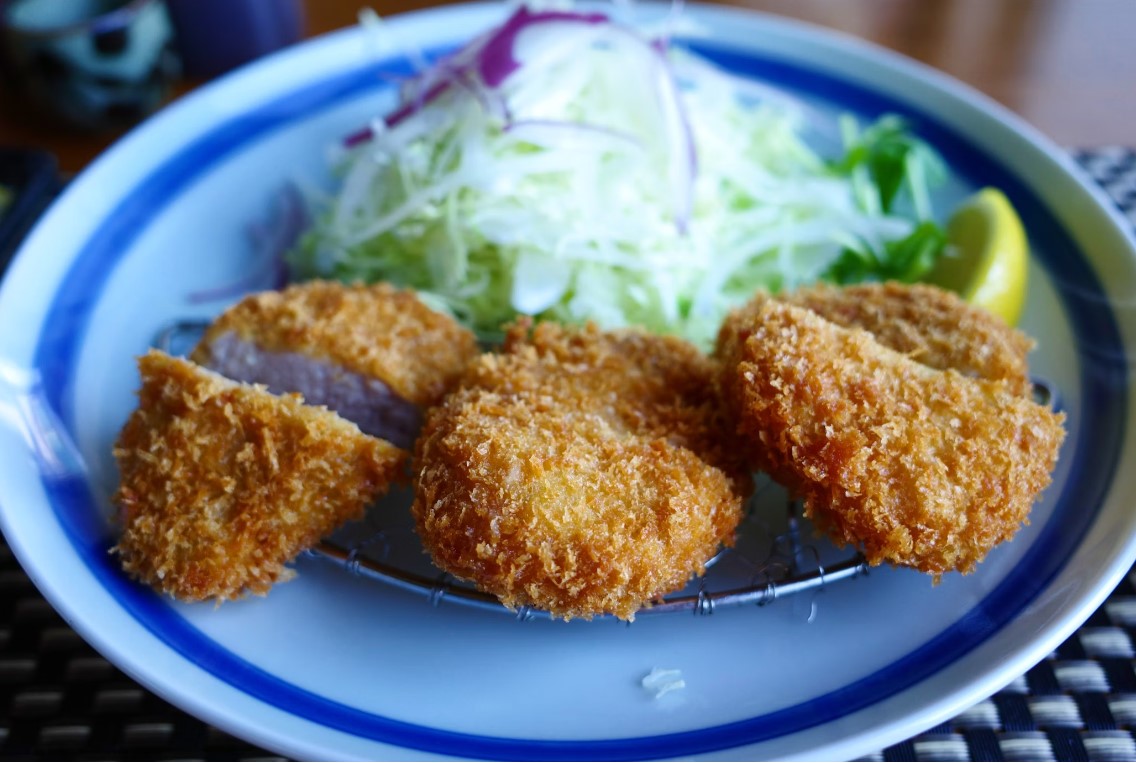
[(579, 471), (374, 354), (222, 484), (917, 466), (928, 324)]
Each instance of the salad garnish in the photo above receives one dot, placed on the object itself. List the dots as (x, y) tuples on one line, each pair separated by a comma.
[(574, 167)]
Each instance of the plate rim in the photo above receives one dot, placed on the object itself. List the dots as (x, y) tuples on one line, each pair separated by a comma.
[(1102, 593)]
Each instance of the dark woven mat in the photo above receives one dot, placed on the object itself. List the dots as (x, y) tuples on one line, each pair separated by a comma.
[(60, 700)]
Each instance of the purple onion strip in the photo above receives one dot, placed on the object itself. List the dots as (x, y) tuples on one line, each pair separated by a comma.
[(491, 56), (494, 59), (497, 61)]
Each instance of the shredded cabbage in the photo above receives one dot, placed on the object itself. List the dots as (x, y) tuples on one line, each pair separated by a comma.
[(569, 167)]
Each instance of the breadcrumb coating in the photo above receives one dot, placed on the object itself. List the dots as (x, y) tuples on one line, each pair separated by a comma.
[(918, 467), (579, 471), (222, 484), (374, 330), (930, 325), (656, 386)]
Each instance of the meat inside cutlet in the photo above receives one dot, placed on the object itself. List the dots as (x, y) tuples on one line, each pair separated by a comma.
[(375, 354), (578, 471), (222, 483), (916, 466), (930, 325)]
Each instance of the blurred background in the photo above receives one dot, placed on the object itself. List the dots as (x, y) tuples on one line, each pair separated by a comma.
[(1067, 66)]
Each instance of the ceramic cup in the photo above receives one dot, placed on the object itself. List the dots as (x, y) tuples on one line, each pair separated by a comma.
[(214, 36), (92, 63)]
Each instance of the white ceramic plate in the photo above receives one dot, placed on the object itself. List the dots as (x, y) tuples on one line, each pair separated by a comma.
[(331, 666)]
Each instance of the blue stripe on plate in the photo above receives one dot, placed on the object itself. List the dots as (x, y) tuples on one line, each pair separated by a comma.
[(1101, 431)]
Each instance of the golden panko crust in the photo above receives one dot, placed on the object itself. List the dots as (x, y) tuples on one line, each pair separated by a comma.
[(930, 325), (657, 386), (579, 471), (377, 331), (918, 467), (222, 483)]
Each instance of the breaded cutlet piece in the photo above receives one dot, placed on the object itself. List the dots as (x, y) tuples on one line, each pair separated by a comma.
[(930, 325), (580, 472), (658, 386), (222, 484), (918, 467), (375, 354)]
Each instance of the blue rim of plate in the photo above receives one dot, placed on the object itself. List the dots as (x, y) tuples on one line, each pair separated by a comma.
[(1102, 427)]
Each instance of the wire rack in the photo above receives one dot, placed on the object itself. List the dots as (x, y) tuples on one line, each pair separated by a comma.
[(765, 565), (776, 555)]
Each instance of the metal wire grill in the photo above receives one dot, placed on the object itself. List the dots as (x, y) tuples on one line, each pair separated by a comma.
[(786, 566), (760, 570), (768, 563)]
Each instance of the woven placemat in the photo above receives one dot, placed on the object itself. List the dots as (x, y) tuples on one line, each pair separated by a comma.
[(59, 699)]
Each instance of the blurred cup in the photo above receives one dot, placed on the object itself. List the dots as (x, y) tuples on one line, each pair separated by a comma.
[(214, 36), (94, 63)]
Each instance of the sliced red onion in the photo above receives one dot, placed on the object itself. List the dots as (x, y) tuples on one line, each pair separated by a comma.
[(416, 105), (430, 84), (493, 58), (497, 60), (358, 137)]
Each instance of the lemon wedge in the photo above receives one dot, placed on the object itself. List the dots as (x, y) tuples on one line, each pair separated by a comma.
[(987, 259)]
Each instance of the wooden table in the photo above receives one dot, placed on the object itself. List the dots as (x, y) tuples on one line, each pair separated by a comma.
[(1067, 66)]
